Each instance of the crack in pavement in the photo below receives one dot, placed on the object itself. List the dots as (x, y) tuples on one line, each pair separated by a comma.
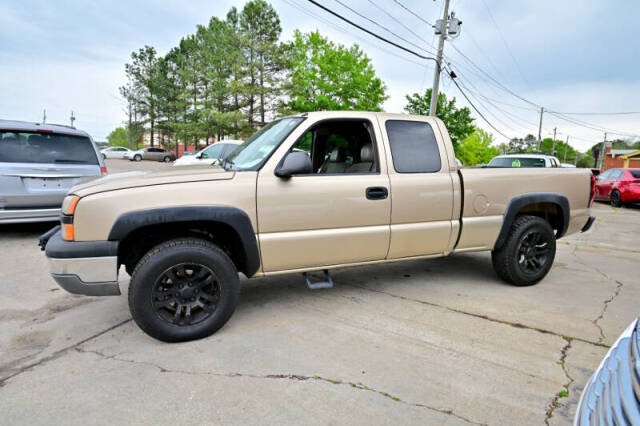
[(484, 317), (292, 377), (564, 393), (59, 353), (606, 302)]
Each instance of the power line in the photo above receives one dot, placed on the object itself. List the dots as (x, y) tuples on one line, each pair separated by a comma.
[(505, 43), (597, 113), (402, 24), (383, 27), (345, 30), (413, 13), (476, 109), (379, 37)]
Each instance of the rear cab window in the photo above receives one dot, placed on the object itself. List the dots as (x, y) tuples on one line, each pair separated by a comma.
[(517, 162), (48, 148), (414, 148)]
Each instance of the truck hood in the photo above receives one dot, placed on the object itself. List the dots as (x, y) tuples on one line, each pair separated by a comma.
[(136, 179)]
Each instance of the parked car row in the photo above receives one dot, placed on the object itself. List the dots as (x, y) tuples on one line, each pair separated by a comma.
[(215, 152)]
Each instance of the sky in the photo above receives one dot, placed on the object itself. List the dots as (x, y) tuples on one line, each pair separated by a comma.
[(567, 56)]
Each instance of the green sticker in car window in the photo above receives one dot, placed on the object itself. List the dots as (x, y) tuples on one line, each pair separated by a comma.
[(515, 163)]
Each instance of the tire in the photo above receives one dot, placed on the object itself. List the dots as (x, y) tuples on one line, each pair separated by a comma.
[(528, 253), (160, 305), (166, 159), (104, 157), (137, 157), (616, 199)]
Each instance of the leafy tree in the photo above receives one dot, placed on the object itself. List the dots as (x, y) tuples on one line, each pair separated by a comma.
[(119, 137), (476, 148), (330, 76), (458, 120)]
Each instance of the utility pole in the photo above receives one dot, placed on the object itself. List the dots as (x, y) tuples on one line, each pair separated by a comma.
[(540, 129), (566, 148), (553, 151), (130, 129), (44, 116), (602, 152), (72, 118), (436, 73)]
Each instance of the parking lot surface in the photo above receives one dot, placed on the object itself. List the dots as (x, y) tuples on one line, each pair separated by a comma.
[(421, 342)]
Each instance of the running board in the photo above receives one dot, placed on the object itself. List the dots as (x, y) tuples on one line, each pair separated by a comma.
[(327, 283)]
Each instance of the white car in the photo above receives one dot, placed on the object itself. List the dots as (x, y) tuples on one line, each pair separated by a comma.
[(114, 152), (524, 160), (217, 151)]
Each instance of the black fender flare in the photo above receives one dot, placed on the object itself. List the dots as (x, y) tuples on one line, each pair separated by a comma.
[(233, 217), (522, 201)]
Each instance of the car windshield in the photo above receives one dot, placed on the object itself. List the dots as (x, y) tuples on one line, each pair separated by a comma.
[(37, 147), (517, 162), (257, 149)]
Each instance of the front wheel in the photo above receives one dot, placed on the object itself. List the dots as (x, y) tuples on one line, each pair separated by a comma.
[(166, 159), (616, 199), (183, 289), (528, 253)]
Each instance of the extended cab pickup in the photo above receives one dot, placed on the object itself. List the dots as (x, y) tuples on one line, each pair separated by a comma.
[(306, 193)]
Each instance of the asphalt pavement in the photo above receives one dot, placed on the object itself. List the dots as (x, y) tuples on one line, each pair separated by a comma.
[(420, 342)]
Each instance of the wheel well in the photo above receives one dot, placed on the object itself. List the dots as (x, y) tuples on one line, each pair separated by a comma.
[(141, 240), (548, 211)]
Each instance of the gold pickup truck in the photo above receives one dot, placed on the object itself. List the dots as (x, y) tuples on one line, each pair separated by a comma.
[(306, 193)]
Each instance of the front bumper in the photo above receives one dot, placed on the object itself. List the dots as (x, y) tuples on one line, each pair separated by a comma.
[(83, 267), (29, 215)]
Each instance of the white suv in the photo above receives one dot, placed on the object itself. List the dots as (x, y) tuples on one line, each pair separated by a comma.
[(524, 160)]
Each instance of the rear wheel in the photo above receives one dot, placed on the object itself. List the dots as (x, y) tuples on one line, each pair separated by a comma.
[(166, 159), (137, 157), (528, 254), (183, 289), (616, 199)]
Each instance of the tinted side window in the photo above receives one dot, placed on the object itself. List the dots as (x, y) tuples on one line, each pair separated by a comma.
[(414, 148)]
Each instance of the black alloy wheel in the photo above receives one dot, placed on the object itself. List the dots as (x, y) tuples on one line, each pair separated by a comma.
[(533, 252), (186, 294)]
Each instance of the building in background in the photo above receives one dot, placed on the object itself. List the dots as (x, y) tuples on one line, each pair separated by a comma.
[(619, 158)]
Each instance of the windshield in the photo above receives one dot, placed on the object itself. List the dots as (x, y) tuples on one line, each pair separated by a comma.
[(257, 149), (29, 147), (517, 162)]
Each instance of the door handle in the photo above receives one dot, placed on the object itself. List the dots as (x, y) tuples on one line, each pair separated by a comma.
[(377, 193)]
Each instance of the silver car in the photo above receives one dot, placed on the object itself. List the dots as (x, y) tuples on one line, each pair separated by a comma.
[(39, 163)]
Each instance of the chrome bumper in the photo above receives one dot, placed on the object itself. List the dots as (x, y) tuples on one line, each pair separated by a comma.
[(29, 215), (612, 395), (89, 267), (91, 276)]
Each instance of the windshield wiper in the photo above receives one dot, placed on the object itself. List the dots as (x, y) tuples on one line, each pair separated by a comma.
[(67, 160)]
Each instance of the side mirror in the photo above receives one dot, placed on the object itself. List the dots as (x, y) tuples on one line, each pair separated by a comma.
[(198, 156), (294, 163)]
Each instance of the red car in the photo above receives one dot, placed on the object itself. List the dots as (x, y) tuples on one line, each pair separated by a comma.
[(618, 186)]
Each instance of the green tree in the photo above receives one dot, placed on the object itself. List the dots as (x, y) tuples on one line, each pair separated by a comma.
[(142, 86), (330, 76), (458, 120), (119, 137), (476, 148), (260, 29)]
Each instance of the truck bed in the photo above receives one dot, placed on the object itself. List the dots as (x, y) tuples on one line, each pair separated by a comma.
[(488, 191)]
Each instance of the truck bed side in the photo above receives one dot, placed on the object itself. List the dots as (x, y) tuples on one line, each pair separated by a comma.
[(488, 192)]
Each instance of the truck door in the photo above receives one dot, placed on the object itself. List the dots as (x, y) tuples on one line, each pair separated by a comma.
[(337, 214), (422, 206)]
